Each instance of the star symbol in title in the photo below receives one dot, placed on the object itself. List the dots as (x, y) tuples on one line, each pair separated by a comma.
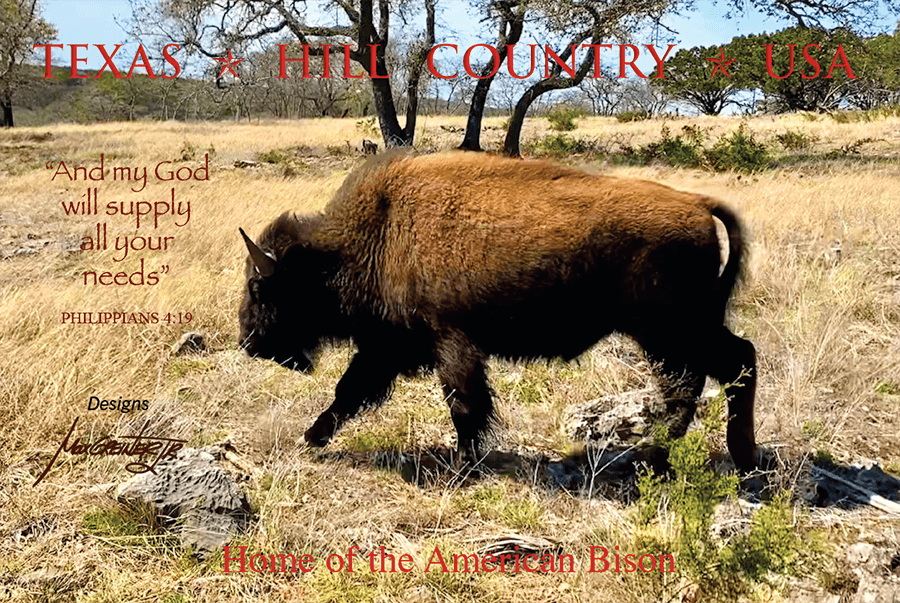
[(721, 63), (230, 63)]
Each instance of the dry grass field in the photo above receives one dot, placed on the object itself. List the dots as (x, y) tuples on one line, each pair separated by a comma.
[(826, 325)]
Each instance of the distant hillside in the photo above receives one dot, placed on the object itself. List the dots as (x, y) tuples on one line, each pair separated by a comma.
[(43, 101)]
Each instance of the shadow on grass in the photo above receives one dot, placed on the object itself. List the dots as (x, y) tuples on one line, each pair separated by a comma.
[(612, 473), (849, 486), (609, 472)]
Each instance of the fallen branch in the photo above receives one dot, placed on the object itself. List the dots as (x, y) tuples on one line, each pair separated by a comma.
[(864, 495)]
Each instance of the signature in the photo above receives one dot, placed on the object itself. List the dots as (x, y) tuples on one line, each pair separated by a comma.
[(159, 449)]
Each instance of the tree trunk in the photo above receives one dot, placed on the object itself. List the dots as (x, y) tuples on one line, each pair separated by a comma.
[(514, 132), (515, 23), (472, 139), (386, 110), (517, 120), (7, 119)]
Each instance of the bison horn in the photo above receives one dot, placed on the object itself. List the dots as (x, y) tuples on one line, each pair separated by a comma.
[(265, 263)]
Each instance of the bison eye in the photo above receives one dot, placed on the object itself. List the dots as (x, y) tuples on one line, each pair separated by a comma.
[(253, 287)]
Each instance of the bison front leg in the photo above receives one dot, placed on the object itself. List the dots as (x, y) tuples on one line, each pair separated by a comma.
[(460, 367), (368, 381)]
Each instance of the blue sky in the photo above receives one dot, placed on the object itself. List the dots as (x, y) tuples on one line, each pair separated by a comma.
[(94, 22)]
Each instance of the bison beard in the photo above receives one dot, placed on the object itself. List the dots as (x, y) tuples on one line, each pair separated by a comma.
[(440, 261)]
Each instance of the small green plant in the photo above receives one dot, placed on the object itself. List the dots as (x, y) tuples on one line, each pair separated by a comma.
[(685, 149), (796, 140), (491, 501), (521, 514), (367, 126), (740, 152), (885, 387), (562, 119), (561, 145), (773, 544), (274, 156), (117, 522), (813, 430), (823, 457), (130, 525), (629, 116)]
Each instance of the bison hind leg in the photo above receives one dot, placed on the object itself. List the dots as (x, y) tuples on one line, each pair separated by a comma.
[(460, 366), (681, 363), (680, 384), (733, 361)]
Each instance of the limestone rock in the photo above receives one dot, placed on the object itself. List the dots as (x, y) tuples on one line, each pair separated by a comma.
[(193, 494), (190, 342)]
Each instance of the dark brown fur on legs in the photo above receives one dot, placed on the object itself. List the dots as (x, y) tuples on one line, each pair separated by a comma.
[(734, 361), (460, 367), (681, 363)]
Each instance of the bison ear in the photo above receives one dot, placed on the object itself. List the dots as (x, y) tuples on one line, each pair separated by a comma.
[(265, 263)]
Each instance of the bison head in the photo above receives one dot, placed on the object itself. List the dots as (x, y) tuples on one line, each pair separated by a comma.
[(274, 324)]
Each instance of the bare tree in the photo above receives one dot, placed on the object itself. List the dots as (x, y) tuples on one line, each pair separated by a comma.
[(21, 27), (640, 95), (211, 26), (586, 22), (510, 18), (603, 94)]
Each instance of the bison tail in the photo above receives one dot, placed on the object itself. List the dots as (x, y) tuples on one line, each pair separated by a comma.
[(732, 269)]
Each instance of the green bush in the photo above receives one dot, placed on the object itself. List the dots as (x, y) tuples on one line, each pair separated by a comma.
[(683, 150), (796, 140), (562, 119), (629, 116), (740, 152), (773, 547), (274, 156), (560, 145)]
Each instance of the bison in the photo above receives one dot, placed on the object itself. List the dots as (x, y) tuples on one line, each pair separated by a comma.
[(440, 261)]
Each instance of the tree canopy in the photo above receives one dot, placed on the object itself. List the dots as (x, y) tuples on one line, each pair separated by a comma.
[(21, 26)]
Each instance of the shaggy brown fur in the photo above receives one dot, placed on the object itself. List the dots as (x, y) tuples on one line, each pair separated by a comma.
[(442, 260)]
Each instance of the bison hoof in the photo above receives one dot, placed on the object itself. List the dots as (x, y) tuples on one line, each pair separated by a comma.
[(322, 430), (315, 438)]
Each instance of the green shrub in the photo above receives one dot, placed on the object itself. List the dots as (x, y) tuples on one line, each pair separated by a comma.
[(796, 140), (368, 126), (629, 116), (888, 388), (740, 152), (562, 119), (560, 145), (683, 150), (774, 544), (851, 148), (274, 156)]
